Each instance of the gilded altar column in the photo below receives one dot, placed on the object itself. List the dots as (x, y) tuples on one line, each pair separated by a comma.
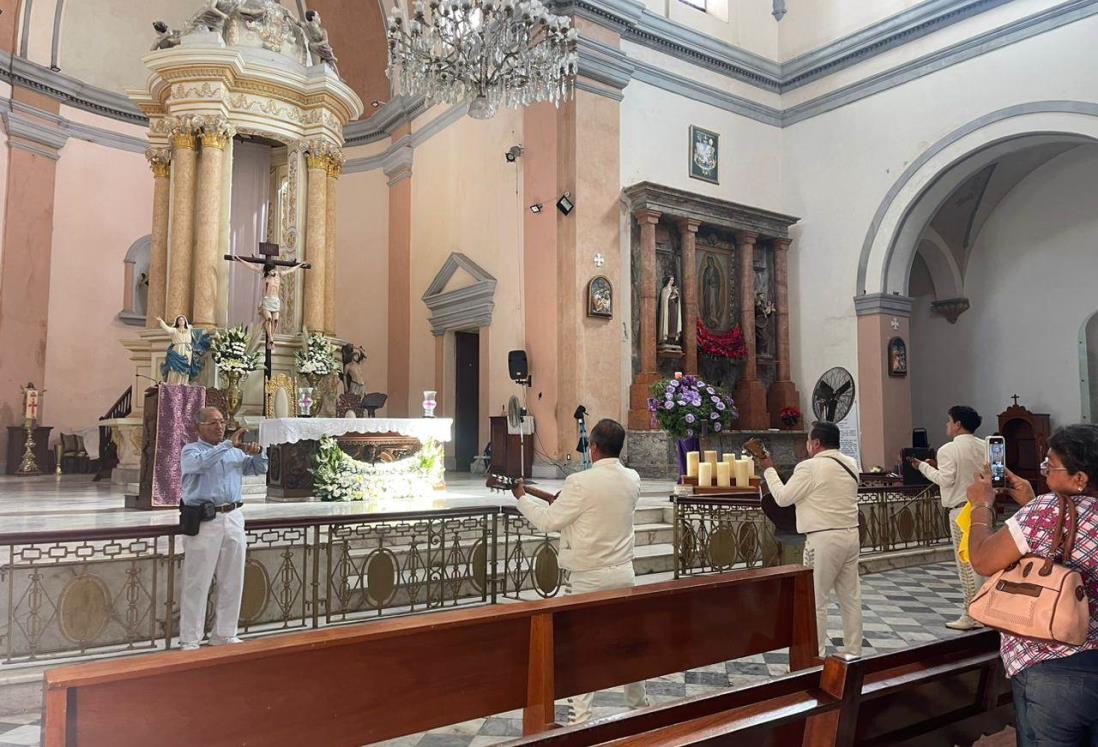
[(335, 168), (160, 162), (750, 393), (178, 294), (316, 248), (214, 138), (639, 417), (688, 231), (783, 392)]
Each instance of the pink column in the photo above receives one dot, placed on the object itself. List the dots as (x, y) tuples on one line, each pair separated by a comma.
[(400, 272), (639, 417), (783, 392), (688, 231), (750, 393)]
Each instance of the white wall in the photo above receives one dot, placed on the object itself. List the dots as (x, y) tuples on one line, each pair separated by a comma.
[(812, 23), (1031, 285)]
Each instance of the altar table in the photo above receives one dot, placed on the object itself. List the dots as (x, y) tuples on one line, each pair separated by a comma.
[(292, 444)]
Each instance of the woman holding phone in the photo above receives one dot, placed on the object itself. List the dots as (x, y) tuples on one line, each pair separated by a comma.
[(1055, 685)]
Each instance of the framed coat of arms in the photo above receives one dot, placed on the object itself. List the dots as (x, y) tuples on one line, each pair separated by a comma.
[(704, 154)]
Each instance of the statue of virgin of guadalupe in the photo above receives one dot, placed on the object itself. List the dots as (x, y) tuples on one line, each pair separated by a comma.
[(188, 345)]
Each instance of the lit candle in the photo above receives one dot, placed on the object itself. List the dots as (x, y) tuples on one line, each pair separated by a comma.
[(743, 479), (711, 457), (692, 463), (705, 475), (724, 472)]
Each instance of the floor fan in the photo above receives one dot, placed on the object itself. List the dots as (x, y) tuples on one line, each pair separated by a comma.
[(517, 424), (833, 395)]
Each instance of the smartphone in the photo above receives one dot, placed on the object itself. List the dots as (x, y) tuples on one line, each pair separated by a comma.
[(996, 457)]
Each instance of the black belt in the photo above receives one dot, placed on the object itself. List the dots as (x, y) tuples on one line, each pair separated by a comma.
[(227, 507)]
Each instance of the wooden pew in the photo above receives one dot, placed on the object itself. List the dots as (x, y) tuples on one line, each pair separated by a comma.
[(368, 682), (935, 695)]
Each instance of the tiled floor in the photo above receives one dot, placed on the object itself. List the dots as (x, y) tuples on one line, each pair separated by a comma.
[(900, 608)]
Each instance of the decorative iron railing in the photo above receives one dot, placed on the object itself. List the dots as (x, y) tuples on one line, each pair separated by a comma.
[(78, 592), (714, 534)]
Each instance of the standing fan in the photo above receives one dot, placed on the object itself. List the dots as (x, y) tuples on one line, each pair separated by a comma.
[(833, 395), (515, 414)]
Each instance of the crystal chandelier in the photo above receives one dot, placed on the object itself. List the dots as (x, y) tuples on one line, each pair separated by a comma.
[(493, 52)]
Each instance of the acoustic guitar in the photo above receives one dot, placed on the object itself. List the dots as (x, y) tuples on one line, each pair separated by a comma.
[(505, 484), (783, 517)]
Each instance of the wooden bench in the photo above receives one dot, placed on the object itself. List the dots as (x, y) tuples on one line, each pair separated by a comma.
[(939, 694), (363, 683)]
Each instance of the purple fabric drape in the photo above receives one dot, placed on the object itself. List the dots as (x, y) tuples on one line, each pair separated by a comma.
[(685, 445), (177, 405)]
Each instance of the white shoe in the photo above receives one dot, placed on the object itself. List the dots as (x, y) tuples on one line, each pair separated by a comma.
[(188, 646), (225, 641), (964, 622)]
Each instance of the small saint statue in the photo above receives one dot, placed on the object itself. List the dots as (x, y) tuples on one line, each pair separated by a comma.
[(184, 360), (670, 315), (354, 370), (316, 36), (166, 37), (271, 305), (214, 16)]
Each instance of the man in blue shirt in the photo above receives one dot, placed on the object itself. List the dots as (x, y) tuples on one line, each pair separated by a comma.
[(213, 468)]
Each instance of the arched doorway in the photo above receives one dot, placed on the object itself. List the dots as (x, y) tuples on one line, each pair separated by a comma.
[(958, 224)]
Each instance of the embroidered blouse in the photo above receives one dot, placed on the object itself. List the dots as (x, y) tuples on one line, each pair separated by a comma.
[(1032, 529)]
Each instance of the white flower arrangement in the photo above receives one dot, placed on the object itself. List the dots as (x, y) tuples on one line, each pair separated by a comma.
[(338, 477), (229, 350), (317, 357)]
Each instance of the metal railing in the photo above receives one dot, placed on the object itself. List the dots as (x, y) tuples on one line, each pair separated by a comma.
[(713, 534), (79, 592)]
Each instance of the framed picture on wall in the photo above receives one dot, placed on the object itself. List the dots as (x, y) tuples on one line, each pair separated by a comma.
[(704, 155), (897, 357), (600, 297)]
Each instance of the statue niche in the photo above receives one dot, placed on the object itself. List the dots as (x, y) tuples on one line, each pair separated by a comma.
[(669, 329), (711, 282)]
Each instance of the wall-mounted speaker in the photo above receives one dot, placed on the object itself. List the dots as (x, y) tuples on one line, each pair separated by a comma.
[(518, 366)]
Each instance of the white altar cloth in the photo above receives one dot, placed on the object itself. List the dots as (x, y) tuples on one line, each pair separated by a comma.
[(291, 430)]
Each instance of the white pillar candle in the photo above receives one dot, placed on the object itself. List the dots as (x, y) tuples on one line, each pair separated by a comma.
[(724, 472), (750, 465), (692, 463), (730, 458), (711, 457), (743, 479), (705, 475)]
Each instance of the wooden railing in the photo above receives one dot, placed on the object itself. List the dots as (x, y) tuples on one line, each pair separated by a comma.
[(365, 683), (108, 452)]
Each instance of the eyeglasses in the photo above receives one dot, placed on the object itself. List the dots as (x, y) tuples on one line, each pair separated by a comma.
[(1046, 468), (213, 422)]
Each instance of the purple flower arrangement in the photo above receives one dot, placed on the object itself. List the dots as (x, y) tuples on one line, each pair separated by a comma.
[(689, 407)]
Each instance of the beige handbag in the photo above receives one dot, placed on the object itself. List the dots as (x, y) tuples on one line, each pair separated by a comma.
[(1037, 597)]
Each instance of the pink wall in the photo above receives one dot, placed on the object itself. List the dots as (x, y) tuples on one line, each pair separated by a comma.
[(103, 203), (884, 401)]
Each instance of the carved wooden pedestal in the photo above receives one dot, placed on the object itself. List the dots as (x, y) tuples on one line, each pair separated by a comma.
[(288, 475)]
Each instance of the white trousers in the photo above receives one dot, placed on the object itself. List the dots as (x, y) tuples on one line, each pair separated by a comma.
[(833, 557), (580, 582), (218, 547), (970, 580)]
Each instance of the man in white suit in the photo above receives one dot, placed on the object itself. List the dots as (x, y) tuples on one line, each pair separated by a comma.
[(594, 515)]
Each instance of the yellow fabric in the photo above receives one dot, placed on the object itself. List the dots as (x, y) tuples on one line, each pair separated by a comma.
[(964, 523)]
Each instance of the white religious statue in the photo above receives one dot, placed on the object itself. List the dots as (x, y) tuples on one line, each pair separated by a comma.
[(214, 16), (271, 305), (316, 36), (670, 315), (166, 37)]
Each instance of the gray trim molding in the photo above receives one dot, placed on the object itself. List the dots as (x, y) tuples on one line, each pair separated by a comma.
[(55, 45), (1036, 107), (882, 303), (65, 89), (779, 10), (25, 34), (42, 132), (604, 64), (381, 124), (30, 122), (708, 210), (705, 94), (464, 308), (390, 160)]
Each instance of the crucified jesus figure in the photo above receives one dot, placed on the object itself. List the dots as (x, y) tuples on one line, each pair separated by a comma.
[(271, 305)]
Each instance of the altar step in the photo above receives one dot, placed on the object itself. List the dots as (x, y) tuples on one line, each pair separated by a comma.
[(253, 485)]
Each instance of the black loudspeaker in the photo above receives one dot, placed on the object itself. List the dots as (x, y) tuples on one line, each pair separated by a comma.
[(911, 475), (919, 439), (518, 366)]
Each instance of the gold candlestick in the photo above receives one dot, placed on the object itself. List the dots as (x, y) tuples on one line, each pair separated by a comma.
[(29, 465)]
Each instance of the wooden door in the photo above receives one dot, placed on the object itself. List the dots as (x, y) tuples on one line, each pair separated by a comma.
[(466, 399)]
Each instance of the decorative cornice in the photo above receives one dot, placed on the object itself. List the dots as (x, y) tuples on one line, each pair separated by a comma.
[(779, 10), (677, 203), (397, 164), (950, 309), (35, 77), (41, 133), (705, 94), (469, 307), (882, 303), (394, 113), (616, 14), (603, 64)]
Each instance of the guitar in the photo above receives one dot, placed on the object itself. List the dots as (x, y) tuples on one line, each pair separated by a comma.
[(504, 483), (755, 448)]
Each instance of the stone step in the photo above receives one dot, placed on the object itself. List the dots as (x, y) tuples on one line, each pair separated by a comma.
[(653, 534)]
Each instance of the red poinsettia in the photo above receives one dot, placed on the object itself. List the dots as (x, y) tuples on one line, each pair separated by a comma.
[(728, 344), (790, 416)]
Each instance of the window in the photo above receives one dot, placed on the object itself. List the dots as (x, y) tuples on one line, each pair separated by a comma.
[(699, 4)]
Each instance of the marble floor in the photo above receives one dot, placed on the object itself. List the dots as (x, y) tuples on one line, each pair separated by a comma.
[(75, 502), (901, 608)]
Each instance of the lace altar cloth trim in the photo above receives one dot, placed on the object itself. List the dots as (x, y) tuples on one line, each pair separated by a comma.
[(291, 430)]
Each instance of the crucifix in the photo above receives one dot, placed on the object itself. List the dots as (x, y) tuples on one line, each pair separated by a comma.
[(1015, 398), (273, 269)]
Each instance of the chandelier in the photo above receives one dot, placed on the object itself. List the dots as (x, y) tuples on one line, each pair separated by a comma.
[(491, 52)]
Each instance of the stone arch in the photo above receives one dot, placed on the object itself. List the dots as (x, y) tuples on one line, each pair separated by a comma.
[(892, 238), (945, 273), (1088, 368), (135, 286)]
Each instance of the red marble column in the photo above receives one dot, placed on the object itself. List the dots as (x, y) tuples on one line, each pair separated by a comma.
[(688, 230), (639, 418), (783, 392), (750, 393)]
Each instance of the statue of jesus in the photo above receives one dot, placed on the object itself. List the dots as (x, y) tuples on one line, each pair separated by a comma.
[(271, 305)]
